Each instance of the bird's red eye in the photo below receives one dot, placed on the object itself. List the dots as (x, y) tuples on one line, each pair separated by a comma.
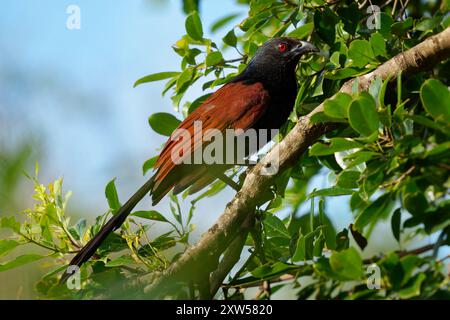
[(282, 47)]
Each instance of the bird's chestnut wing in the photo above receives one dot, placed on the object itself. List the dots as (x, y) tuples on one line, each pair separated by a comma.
[(236, 106)]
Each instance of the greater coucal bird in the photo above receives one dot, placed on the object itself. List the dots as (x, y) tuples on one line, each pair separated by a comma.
[(261, 97)]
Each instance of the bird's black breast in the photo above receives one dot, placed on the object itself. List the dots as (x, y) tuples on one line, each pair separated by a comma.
[(281, 104)]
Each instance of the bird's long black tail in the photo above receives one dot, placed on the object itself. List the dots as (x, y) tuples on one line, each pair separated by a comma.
[(115, 222)]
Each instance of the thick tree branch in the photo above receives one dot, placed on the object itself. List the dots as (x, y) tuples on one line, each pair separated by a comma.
[(214, 242)]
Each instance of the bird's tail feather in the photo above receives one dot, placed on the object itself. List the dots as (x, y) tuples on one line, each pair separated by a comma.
[(115, 222)]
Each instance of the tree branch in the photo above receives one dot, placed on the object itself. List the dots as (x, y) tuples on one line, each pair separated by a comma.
[(214, 242)]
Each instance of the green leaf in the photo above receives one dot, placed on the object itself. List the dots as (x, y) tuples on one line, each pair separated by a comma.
[(190, 5), (275, 227), (120, 261), (415, 202), (342, 73), (151, 215), (300, 249), (337, 107), (414, 289), (149, 164), (362, 115), (383, 92), (426, 24), (427, 122), (10, 223), (385, 25), (7, 245), (156, 77), (194, 26), (400, 28), (335, 145), (230, 39), (348, 179), (325, 25), (303, 31), (330, 192), (185, 77), (334, 59), (20, 261), (214, 58), (378, 44), (396, 223), (438, 149), (223, 21), (356, 158), (373, 211), (435, 98), (267, 270), (361, 53), (163, 123), (350, 16), (80, 229), (347, 264), (112, 196), (318, 245)]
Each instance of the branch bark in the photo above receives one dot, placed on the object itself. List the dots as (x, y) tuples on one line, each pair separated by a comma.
[(214, 242)]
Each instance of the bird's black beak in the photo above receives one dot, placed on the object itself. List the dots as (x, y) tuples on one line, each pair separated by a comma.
[(304, 47)]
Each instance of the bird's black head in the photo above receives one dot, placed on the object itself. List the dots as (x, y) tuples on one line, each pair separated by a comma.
[(277, 58), (283, 51)]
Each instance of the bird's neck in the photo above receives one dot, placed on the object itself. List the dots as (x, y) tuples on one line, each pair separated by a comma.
[(275, 78)]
